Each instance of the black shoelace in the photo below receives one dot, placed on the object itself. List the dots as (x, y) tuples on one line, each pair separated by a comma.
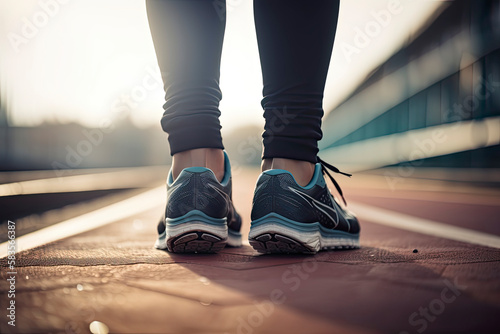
[(324, 167)]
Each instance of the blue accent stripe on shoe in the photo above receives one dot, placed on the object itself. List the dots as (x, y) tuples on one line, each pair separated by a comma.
[(195, 215), (302, 227), (317, 178), (279, 219)]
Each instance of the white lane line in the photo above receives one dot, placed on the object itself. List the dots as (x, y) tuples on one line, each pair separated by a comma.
[(86, 222), (431, 197), (424, 226), (133, 178)]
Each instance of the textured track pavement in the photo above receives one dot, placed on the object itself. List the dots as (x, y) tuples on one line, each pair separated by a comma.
[(398, 282)]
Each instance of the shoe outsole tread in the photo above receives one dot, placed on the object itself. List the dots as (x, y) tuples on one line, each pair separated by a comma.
[(276, 243), (196, 242)]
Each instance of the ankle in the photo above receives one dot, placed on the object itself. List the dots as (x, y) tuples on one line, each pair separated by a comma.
[(302, 171), (210, 158)]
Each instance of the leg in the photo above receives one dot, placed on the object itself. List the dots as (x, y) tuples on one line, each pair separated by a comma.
[(295, 39), (188, 36), (296, 213), (199, 215)]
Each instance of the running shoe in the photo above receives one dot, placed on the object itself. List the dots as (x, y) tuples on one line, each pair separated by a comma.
[(289, 218), (200, 216)]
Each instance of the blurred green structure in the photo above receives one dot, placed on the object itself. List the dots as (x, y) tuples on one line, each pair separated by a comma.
[(435, 103)]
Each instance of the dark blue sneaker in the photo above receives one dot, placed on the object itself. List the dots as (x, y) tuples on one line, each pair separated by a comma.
[(288, 218), (199, 216)]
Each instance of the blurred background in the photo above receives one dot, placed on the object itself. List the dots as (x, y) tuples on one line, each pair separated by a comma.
[(413, 91)]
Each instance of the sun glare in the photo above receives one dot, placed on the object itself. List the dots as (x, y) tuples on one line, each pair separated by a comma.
[(75, 60)]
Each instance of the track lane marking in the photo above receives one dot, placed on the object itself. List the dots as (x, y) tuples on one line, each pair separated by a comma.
[(131, 206), (423, 226), (133, 178), (156, 197)]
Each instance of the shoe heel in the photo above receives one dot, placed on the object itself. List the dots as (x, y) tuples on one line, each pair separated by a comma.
[(276, 234), (195, 232)]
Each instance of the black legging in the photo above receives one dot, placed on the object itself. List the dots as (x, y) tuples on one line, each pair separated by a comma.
[(295, 39)]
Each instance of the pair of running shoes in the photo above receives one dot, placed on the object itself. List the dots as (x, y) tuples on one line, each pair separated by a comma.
[(286, 218)]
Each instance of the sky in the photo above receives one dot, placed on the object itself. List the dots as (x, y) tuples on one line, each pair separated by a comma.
[(83, 60)]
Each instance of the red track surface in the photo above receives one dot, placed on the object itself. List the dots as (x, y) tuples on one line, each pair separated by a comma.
[(113, 275)]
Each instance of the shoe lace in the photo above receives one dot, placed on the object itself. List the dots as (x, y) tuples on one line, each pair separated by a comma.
[(324, 168)]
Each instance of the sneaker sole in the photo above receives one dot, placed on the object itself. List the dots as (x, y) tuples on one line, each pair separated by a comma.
[(275, 234), (194, 232)]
